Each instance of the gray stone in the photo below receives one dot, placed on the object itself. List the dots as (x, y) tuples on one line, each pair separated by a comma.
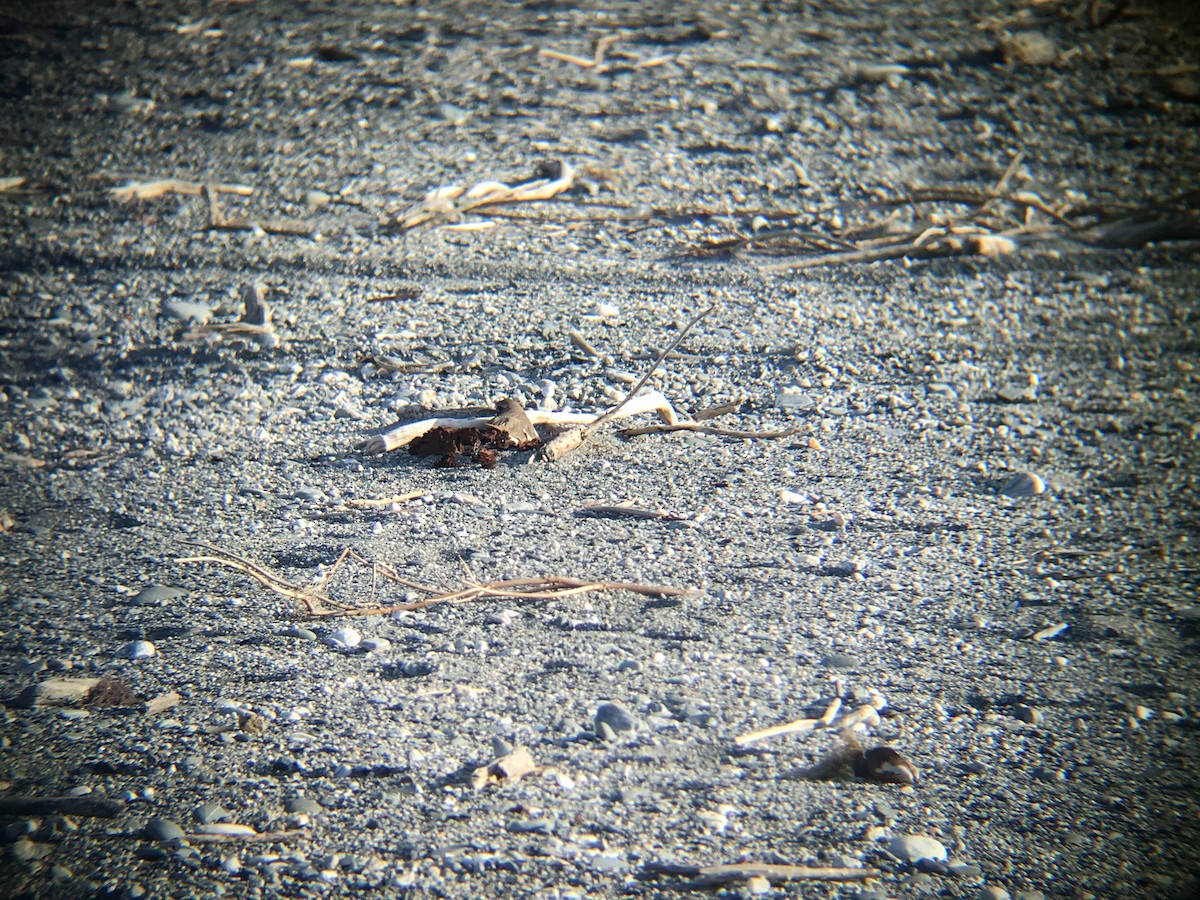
[(207, 813), (304, 805), (163, 830), (157, 595), (615, 718)]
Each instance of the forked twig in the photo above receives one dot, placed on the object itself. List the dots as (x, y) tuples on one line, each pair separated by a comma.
[(572, 440)]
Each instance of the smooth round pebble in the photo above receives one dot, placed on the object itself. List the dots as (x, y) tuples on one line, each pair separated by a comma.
[(993, 892), (163, 830), (207, 813), (157, 595), (1024, 484)]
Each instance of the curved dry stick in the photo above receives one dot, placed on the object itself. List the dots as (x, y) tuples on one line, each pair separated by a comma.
[(321, 605)]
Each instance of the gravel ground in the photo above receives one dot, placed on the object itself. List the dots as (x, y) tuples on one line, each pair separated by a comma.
[(981, 522)]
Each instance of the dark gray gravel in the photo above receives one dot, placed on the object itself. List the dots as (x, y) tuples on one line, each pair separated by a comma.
[(986, 516)]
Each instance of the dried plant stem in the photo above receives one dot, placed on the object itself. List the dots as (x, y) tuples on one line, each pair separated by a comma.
[(319, 604)]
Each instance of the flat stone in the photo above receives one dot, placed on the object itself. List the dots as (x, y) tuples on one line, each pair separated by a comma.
[(157, 595), (306, 805), (913, 847)]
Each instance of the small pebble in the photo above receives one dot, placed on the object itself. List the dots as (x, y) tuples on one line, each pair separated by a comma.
[(157, 595), (163, 830), (345, 638), (137, 650), (303, 805), (615, 718), (912, 847), (1024, 484), (993, 892), (207, 813)]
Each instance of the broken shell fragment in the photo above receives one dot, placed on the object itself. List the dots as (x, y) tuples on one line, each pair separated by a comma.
[(885, 765)]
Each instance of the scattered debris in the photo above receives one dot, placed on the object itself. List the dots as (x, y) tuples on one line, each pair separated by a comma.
[(218, 221), (507, 769), (572, 440), (401, 435), (446, 205)]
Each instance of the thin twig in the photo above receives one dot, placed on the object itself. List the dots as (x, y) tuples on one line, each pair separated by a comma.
[(710, 429), (320, 605), (589, 430)]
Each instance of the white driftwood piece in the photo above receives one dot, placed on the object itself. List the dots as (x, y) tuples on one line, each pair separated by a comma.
[(402, 435)]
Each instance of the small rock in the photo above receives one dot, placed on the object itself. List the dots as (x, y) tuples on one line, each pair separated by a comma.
[(1028, 715), (157, 595), (303, 805), (207, 813), (26, 850), (912, 847), (376, 645), (1024, 484), (163, 830), (295, 631), (841, 661), (137, 650), (756, 886), (187, 311), (1029, 47), (345, 638), (56, 692), (615, 718), (993, 892), (228, 829)]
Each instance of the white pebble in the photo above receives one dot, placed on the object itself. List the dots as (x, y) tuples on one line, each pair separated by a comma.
[(346, 637), (137, 650), (913, 847)]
